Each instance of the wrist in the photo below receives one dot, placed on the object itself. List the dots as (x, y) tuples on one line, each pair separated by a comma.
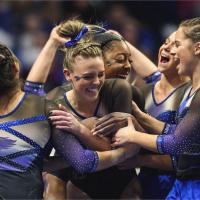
[(82, 129), (52, 42)]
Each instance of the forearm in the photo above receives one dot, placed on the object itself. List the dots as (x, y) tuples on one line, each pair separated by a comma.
[(141, 64), (96, 143), (162, 162), (149, 123), (146, 141), (110, 158), (41, 68)]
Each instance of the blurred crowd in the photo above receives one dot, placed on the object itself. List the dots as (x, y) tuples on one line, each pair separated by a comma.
[(25, 25)]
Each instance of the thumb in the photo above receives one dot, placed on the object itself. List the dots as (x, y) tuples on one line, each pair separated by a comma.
[(130, 123)]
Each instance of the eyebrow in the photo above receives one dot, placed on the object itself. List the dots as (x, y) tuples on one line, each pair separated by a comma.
[(86, 73)]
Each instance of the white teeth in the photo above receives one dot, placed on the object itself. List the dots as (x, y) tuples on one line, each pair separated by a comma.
[(165, 56), (92, 89)]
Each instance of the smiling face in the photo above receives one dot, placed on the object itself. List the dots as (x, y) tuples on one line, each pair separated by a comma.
[(117, 60), (87, 77), (167, 62), (185, 52)]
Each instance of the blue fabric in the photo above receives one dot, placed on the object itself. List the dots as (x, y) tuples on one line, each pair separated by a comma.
[(153, 77), (185, 190), (73, 41), (155, 186), (34, 88)]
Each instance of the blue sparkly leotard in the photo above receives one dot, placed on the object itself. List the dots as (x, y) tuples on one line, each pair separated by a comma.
[(24, 132), (183, 142), (156, 184)]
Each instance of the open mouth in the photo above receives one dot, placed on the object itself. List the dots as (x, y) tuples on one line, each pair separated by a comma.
[(164, 59), (123, 76)]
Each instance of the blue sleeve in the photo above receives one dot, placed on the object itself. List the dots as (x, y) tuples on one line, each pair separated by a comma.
[(184, 137), (34, 88), (153, 77), (81, 159)]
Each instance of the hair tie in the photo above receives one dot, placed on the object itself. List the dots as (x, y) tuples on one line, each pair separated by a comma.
[(73, 41)]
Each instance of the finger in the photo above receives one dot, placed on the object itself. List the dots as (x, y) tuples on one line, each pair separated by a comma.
[(59, 112), (130, 122), (115, 144), (64, 128), (105, 131), (103, 120), (114, 122), (60, 118), (63, 123), (61, 107)]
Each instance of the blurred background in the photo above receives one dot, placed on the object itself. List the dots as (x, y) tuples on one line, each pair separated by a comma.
[(25, 25)]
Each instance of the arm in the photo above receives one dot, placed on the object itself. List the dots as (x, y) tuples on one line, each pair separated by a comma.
[(149, 123), (40, 69), (162, 162), (64, 120), (142, 65), (84, 160), (178, 139)]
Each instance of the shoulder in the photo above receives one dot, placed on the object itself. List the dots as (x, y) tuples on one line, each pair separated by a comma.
[(116, 84), (58, 91)]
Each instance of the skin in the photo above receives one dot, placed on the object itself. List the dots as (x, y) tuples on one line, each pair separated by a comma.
[(188, 52), (170, 79), (117, 60)]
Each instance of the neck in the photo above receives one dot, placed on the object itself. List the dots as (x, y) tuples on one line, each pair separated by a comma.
[(195, 76), (9, 101), (171, 82), (84, 107)]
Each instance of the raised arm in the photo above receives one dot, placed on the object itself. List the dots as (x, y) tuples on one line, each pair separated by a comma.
[(141, 64), (41, 68)]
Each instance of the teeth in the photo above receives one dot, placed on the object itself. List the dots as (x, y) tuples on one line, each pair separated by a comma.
[(165, 56)]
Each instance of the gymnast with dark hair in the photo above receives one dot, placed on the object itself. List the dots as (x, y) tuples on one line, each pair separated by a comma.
[(24, 127)]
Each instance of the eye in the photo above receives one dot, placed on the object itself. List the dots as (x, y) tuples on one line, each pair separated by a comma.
[(177, 44), (88, 77), (130, 61), (100, 75)]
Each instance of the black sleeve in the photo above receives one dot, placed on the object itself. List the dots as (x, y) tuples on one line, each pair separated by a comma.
[(117, 95)]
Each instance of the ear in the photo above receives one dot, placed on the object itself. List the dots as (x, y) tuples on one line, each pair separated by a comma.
[(67, 74), (197, 48)]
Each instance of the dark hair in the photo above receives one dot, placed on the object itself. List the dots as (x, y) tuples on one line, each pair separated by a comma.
[(7, 71), (192, 30), (104, 39)]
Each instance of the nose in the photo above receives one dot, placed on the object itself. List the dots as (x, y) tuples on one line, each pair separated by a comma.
[(173, 50), (167, 46), (127, 65), (96, 80)]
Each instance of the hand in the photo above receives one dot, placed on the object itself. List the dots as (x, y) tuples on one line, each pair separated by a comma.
[(136, 110), (114, 32), (124, 136), (58, 40), (130, 150), (64, 120), (130, 163), (110, 123)]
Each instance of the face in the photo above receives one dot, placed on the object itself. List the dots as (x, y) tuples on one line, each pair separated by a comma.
[(167, 62), (87, 77), (184, 48), (117, 60)]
